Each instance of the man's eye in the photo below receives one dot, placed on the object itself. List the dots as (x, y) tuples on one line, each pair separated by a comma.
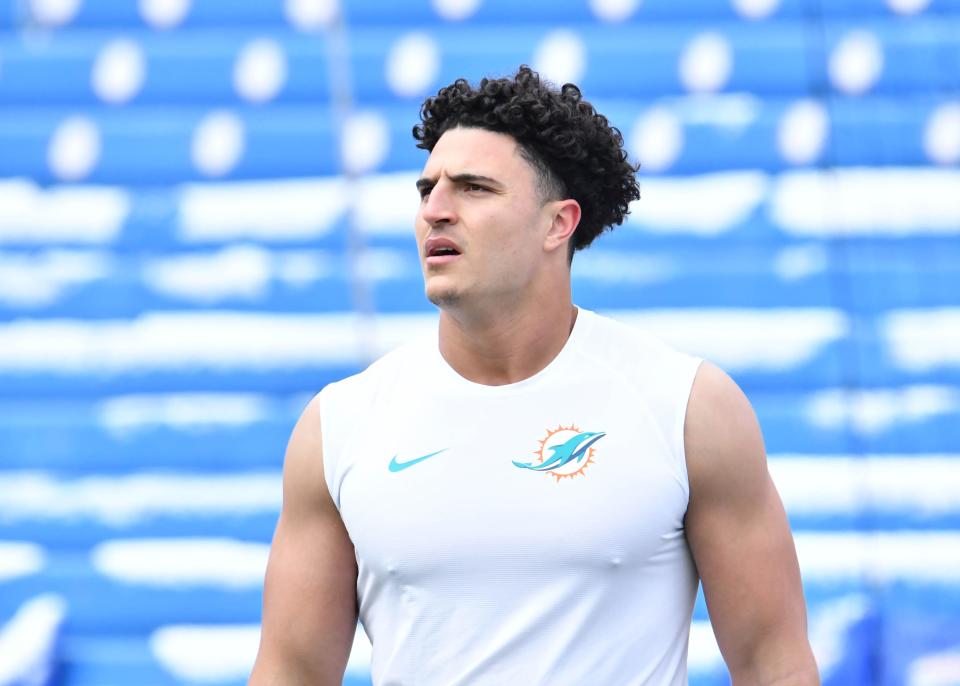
[(474, 187)]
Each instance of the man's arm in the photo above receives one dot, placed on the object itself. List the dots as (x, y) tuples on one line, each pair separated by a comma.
[(741, 542), (309, 595)]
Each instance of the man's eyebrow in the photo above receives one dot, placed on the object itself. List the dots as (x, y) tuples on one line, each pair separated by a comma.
[(465, 177)]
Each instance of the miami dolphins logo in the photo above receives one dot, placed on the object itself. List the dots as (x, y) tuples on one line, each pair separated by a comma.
[(564, 453)]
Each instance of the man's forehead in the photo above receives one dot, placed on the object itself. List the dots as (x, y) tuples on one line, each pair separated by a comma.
[(475, 151)]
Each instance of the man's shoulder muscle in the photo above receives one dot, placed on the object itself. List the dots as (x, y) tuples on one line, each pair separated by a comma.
[(309, 606), (722, 438)]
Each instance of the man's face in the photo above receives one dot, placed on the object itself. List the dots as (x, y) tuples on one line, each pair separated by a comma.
[(481, 223)]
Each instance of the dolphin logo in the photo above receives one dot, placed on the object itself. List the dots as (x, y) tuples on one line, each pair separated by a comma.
[(573, 449)]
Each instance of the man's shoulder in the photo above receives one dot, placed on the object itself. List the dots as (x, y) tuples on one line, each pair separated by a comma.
[(386, 369), (629, 340), (722, 434)]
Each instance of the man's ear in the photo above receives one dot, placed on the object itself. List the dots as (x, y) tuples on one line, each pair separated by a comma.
[(566, 217)]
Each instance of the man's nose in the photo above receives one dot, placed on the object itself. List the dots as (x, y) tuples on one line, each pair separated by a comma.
[(438, 207)]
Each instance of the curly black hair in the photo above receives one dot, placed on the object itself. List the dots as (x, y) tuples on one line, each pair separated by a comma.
[(574, 149)]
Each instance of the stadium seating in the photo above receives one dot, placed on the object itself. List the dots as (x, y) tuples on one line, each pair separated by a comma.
[(205, 212)]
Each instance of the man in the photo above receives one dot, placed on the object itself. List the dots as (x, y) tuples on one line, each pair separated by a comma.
[(530, 496)]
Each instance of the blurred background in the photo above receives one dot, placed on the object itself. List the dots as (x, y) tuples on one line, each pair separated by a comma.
[(205, 216)]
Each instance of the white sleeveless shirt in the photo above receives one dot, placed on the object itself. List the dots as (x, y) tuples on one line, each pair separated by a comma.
[(528, 534)]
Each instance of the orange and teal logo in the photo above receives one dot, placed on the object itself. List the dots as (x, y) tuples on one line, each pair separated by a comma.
[(565, 452)]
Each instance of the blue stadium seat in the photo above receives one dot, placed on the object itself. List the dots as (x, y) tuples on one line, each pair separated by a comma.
[(169, 145), (203, 13), (194, 67)]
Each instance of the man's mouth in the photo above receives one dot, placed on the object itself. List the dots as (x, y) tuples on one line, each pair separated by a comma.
[(442, 257), (440, 251)]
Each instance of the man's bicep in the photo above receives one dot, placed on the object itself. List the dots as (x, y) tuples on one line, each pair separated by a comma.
[(309, 596), (747, 564), (740, 538)]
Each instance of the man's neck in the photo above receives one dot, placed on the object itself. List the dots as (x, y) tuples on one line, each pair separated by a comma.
[(506, 347)]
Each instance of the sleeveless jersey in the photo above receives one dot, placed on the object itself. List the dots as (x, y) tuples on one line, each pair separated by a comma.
[(530, 533)]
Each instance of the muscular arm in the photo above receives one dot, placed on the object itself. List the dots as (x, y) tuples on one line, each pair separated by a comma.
[(741, 541), (309, 595)]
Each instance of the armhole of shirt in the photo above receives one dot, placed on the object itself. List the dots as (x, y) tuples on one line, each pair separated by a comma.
[(331, 453), (688, 373)]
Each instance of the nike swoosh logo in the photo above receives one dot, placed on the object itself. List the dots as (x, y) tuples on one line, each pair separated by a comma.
[(400, 466)]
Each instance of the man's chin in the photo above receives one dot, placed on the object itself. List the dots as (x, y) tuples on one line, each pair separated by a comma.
[(443, 297)]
